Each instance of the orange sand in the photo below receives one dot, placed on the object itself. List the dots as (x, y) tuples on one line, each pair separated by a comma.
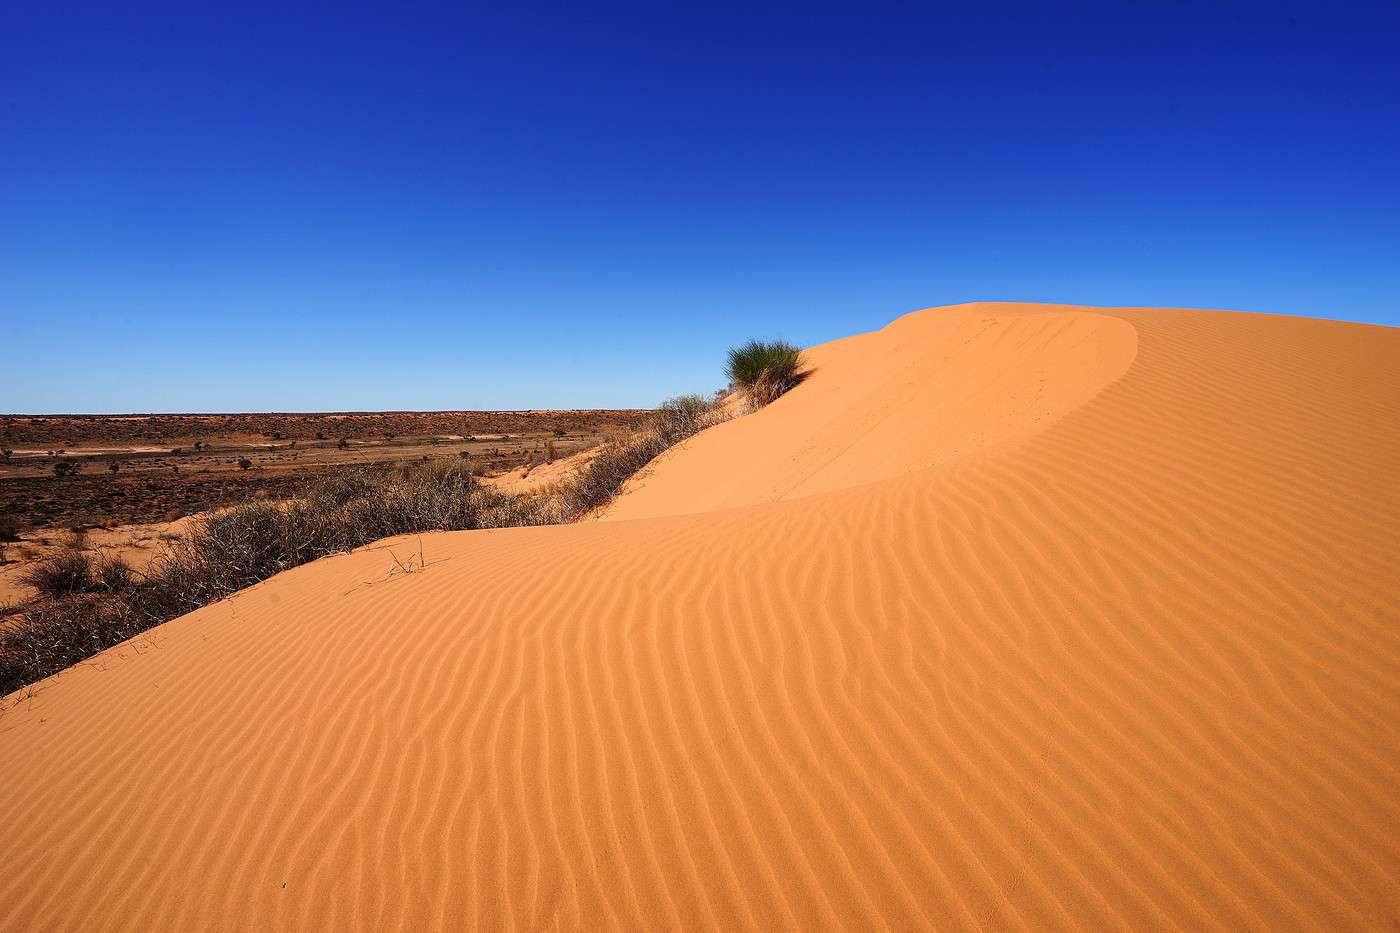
[(1007, 617), (540, 477)]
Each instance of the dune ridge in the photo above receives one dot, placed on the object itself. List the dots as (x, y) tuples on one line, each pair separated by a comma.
[(932, 387), (1120, 654)]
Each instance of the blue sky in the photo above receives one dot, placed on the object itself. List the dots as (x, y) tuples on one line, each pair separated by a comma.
[(412, 206)]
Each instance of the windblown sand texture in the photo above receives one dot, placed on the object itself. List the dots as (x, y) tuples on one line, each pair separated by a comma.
[(1007, 617)]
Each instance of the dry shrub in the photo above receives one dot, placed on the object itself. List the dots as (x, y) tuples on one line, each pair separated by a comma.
[(63, 574), (111, 574), (765, 390), (57, 634), (603, 478)]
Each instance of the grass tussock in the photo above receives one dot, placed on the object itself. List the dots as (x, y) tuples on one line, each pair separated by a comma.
[(72, 571), (762, 370), (89, 603)]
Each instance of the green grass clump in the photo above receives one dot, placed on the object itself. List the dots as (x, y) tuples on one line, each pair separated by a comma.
[(763, 370)]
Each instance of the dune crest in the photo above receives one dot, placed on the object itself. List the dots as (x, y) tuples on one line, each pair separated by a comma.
[(933, 386), (1113, 644)]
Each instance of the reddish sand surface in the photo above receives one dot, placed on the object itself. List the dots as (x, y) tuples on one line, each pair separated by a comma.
[(1007, 617), (540, 476)]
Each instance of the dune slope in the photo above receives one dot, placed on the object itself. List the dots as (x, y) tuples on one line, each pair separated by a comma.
[(1103, 633), (932, 387)]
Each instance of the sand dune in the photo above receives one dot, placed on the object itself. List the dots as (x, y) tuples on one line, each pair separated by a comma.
[(928, 389), (1007, 617)]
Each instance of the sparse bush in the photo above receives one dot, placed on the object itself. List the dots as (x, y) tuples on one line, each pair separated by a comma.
[(63, 574), (54, 635), (226, 551), (603, 477), (220, 554), (437, 495), (764, 370), (675, 420), (110, 573), (9, 528), (113, 466), (678, 418), (244, 463)]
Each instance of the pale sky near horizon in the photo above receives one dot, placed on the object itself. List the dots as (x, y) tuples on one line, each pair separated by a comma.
[(282, 208)]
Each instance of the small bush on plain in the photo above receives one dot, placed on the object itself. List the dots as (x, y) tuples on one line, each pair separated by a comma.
[(63, 574)]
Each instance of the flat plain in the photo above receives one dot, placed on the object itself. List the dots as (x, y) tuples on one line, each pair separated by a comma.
[(129, 481)]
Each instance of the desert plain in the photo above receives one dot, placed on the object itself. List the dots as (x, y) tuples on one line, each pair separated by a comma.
[(123, 484), (1006, 617)]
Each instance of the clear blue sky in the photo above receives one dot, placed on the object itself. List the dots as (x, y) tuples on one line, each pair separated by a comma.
[(269, 208)]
